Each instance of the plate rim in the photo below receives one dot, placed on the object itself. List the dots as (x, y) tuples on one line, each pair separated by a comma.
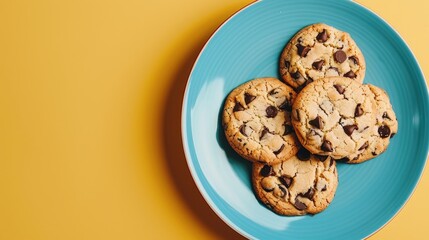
[(185, 146)]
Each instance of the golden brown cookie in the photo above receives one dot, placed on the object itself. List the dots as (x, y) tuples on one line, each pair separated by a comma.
[(319, 51), (341, 118), (256, 120), (303, 184)]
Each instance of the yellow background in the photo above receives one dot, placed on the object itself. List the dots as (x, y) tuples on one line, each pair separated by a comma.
[(90, 101)]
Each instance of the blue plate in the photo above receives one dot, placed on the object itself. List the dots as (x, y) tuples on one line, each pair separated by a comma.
[(247, 46)]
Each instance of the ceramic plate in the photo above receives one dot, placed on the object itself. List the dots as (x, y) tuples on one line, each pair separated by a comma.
[(247, 46)]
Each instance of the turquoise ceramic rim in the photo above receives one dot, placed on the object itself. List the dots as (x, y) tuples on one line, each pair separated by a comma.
[(186, 124)]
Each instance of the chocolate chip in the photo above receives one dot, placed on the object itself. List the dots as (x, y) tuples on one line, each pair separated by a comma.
[(266, 171), (238, 107), (299, 88), (317, 122), (324, 188), (287, 64), (285, 180), (331, 162), (350, 74), (391, 135), (318, 65), (348, 129), (374, 154), (271, 111), (364, 146), (327, 146), (321, 157), (358, 110), (288, 130), (283, 189), (280, 150), (248, 98), (274, 91), (322, 36), (299, 205), (243, 129), (386, 116), (303, 154), (309, 194), (296, 75), (286, 105), (384, 131), (264, 131), (354, 59), (344, 159), (302, 50), (340, 56), (340, 88)]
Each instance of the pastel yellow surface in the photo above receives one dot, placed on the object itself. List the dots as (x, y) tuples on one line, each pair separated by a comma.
[(90, 101)]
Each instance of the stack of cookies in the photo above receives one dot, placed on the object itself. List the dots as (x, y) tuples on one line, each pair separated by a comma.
[(294, 131)]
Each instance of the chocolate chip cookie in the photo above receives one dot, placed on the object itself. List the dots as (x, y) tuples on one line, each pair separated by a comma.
[(386, 126), (303, 184), (256, 121), (335, 116), (319, 51), (341, 118)]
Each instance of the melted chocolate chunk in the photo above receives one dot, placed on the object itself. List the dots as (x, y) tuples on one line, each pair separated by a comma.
[(350, 74), (327, 146), (238, 107), (287, 64), (302, 50), (273, 92), (266, 171), (283, 189), (340, 56), (286, 105), (271, 111), (354, 59), (288, 130), (358, 110), (331, 162), (303, 154), (264, 131), (309, 194), (340, 88), (384, 131), (321, 157), (248, 98), (386, 116), (243, 129), (322, 36), (348, 129), (285, 180), (299, 205), (318, 65), (280, 150), (364, 146), (296, 75), (317, 122)]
